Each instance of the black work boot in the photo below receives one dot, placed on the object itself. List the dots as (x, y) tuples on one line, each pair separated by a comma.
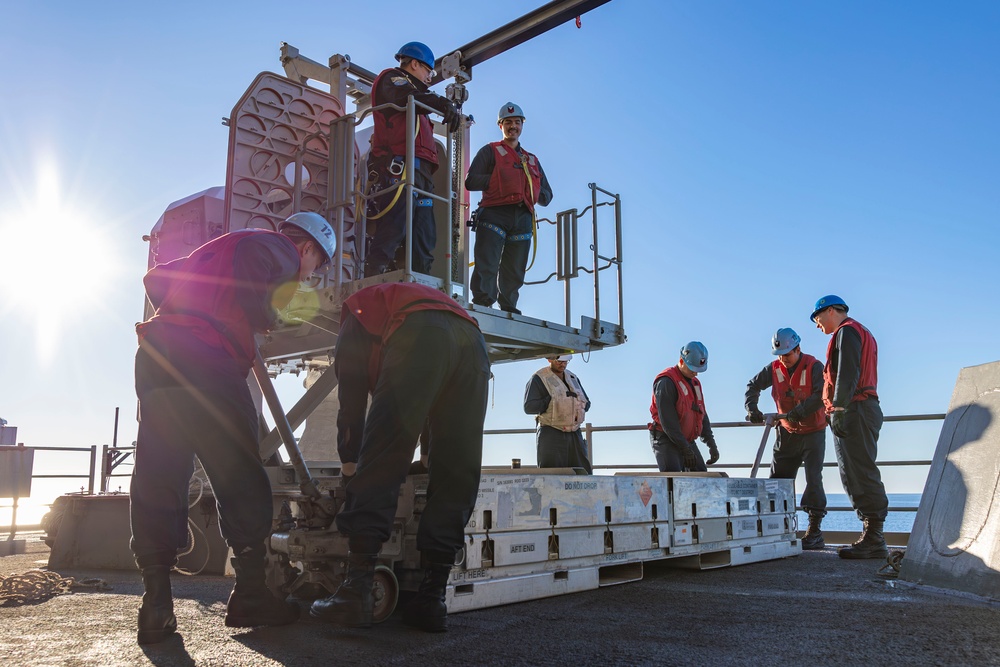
[(353, 604), (813, 539), (252, 603), (871, 544), (156, 614), (427, 611)]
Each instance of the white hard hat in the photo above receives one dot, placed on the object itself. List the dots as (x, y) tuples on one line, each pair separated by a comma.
[(561, 357), (509, 110), (318, 228)]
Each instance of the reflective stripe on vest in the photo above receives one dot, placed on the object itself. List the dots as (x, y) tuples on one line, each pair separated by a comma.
[(788, 392), (690, 407), (509, 181)]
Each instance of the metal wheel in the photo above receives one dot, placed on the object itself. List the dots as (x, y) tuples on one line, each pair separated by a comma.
[(386, 593)]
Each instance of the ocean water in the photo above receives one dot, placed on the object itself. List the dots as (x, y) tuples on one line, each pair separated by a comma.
[(896, 522)]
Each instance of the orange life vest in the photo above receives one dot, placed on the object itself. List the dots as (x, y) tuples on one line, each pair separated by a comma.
[(690, 404), (789, 391)]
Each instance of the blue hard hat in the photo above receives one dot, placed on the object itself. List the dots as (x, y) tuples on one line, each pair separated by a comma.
[(784, 341), (418, 51), (825, 302), (695, 356)]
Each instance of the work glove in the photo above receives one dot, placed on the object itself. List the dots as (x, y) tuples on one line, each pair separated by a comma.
[(691, 456), (838, 423), (794, 415), (755, 416), (713, 454), (453, 118)]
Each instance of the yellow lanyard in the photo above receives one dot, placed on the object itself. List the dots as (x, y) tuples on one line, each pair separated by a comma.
[(534, 224)]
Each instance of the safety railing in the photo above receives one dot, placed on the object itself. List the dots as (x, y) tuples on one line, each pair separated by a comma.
[(590, 430), (568, 264), (346, 193)]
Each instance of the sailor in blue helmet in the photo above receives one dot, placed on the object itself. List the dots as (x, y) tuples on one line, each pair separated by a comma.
[(679, 414), (388, 157), (191, 369), (850, 395), (513, 183), (796, 382)]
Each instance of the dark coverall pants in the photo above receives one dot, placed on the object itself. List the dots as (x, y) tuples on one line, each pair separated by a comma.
[(434, 368), (501, 256), (561, 449), (669, 457), (390, 229), (807, 450), (855, 439), (193, 400)]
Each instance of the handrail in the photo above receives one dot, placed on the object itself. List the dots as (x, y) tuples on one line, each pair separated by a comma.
[(105, 470), (590, 429)]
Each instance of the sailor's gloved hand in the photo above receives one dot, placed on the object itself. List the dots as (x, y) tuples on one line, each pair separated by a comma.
[(838, 423), (794, 415), (453, 118), (755, 416), (691, 456), (713, 454)]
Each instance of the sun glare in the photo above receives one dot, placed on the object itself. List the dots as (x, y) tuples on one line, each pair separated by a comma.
[(55, 260)]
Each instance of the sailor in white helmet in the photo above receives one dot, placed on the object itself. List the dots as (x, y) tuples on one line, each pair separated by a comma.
[(559, 403), (513, 183), (191, 369)]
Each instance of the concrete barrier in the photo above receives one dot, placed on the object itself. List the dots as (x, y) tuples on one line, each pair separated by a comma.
[(955, 543)]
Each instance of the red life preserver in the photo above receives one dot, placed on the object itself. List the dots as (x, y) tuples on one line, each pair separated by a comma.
[(508, 182), (389, 137), (690, 405), (381, 309), (790, 391), (201, 295), (868, 381)]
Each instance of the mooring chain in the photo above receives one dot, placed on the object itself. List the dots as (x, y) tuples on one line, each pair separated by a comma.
[(37, 585)]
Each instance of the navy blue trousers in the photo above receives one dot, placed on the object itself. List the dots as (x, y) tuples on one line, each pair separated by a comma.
[(435, 371), (855, 439), (795, 450), (501, 262), (669, 458), (561, 449), (193, 401), (390, 231)]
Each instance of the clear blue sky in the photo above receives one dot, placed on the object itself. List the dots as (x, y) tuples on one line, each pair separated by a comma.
[(767, 153)]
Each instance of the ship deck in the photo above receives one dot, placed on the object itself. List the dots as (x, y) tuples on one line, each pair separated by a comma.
[(814, 608)]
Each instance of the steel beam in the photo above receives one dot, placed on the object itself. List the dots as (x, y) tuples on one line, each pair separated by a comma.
[(519, 31)]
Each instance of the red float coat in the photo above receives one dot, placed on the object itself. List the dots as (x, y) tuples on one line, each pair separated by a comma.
[(220, 302), (509, 184), (690, 406), (868, 380), (381, 309), (389, 137), (789, 391)]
